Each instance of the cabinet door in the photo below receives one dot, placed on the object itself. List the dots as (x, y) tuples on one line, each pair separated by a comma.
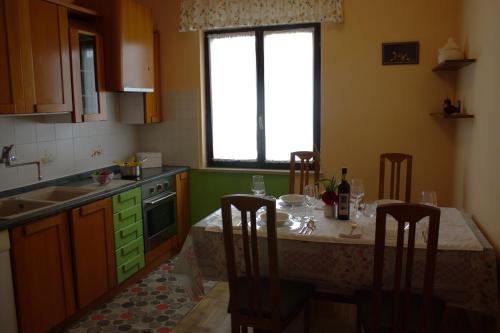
[(93, 250), (152, 101), (87, 64), (136, 38), (11, 86), (48, 34), (183, 224), (41, 260)]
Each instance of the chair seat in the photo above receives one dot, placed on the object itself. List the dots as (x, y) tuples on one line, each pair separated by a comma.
[(293, 295), (363, 301)]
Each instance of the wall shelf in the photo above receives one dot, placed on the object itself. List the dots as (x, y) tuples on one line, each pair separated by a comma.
[(453, 65), (451, 116)]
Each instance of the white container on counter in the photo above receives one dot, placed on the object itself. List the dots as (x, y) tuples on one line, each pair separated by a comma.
[(153, 160)]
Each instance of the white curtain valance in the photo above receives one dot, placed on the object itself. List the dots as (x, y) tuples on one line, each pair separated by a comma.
[(213, 14)]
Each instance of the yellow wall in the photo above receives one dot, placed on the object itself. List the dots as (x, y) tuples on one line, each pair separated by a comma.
[(367, 108), (478, 140)]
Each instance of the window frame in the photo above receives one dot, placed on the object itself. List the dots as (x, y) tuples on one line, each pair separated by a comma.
[(259, 50)]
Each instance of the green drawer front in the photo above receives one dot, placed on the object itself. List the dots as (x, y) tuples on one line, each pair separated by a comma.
[(128, 234), (130, 268), (129, 251), (127, 217), (126, 200)]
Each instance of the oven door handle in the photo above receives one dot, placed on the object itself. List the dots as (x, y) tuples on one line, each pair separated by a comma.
[(154, 201)]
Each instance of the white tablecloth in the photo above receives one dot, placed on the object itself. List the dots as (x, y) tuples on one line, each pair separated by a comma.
[(454, 232)]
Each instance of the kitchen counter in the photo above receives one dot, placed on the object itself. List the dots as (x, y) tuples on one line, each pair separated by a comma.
[(81, 180)]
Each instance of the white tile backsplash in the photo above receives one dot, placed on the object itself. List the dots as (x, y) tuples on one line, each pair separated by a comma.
[(65, 148), (176, 137), (65, 156), (7, 131), (64, 131), (45, 132), (24, 130)]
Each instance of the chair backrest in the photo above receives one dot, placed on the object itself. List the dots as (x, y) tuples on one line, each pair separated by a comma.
[(412, 214), (396, 159), (248, 205), (308, 159)]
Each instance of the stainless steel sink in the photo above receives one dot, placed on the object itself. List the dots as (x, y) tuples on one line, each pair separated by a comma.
[(56, 193), (10, 208)]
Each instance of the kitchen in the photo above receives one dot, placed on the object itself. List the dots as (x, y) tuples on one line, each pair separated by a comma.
[(147, 94)]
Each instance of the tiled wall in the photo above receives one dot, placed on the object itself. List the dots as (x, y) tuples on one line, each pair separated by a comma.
[(176, 137), (63, 147)]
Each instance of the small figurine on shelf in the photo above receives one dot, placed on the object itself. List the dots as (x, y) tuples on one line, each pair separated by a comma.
[(449, 108)]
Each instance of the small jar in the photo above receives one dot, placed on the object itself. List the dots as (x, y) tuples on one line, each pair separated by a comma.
[(330, 211)]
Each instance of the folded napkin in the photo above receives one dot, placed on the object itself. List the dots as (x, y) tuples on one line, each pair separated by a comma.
[(350, 230)]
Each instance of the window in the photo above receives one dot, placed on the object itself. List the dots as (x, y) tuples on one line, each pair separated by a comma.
[(262, 95)]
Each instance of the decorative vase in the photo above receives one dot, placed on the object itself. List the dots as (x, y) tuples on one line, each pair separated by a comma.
[(329, 211)]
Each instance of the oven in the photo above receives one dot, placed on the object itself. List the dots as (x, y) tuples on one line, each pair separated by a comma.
[(159, 211)]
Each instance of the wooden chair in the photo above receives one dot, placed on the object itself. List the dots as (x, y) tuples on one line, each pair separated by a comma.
[(261, 302), (396, 159), (400, 309), (305, 166)]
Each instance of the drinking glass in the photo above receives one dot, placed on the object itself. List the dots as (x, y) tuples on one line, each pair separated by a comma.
[(258, 186), (428, 198), (357, 194), (310, 199)]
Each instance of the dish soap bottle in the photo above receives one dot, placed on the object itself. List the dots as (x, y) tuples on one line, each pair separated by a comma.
[(344, 197)]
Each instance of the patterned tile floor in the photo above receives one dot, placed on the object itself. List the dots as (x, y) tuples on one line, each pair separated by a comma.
[(154, 304)]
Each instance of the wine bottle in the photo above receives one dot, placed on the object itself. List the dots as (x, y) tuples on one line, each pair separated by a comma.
[(344, 197)]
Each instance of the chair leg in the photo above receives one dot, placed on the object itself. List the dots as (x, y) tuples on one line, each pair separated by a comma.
[(244, 329), (359, 326), (307, 313), (235, 326)]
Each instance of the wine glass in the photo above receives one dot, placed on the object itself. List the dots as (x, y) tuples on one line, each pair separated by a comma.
[(310, 198), (428, 198), (357, 193), (258, 186)]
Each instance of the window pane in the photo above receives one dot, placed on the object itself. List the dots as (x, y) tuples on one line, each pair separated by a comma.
[(289, 86), (234, 96)]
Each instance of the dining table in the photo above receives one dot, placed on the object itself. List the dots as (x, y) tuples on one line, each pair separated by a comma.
[(337, 256)]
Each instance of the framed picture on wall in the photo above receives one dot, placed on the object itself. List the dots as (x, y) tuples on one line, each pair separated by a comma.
[(402, 53)]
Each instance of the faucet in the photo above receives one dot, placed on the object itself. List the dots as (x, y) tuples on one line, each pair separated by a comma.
[(8, 158)]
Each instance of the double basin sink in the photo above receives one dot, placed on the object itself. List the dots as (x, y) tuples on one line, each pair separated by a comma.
[(17, 206)]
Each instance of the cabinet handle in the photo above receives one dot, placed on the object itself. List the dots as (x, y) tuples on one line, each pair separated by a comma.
[(128, 269), (127, 214), (126, 196), (134, 249), (123, 235)]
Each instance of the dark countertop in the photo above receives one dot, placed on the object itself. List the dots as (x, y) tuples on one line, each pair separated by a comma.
[(80, 180)]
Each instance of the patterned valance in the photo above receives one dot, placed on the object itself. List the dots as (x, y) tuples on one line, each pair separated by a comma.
[(213, 14)]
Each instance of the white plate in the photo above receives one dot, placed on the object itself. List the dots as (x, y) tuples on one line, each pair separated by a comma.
[(292, 199), (281, 218)]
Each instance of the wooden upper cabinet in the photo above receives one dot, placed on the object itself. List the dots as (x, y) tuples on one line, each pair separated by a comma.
[(49, 50), (11, 85), (152, 100), (43, 277), (87, 66), (127, 27), (136, 37), (93, 250)]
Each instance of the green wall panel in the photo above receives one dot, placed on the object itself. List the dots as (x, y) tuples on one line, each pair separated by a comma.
[(206, 188)]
